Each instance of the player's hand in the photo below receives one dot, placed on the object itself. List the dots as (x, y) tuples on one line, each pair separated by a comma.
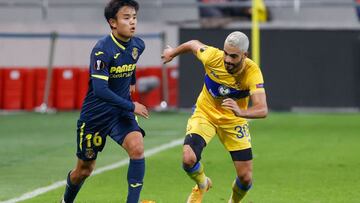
[(132, 88), (141, 110), (233, 106), (166, 55)]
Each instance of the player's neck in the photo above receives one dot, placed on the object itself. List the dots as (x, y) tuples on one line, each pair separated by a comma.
[(119, 37)]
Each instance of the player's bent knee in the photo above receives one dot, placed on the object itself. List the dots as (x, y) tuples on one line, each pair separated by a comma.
[(136, 152), (246, 178), (189, 158), (134, 145), (193, 146)]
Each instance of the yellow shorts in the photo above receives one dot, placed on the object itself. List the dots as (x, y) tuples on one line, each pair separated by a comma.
[(233, 136)]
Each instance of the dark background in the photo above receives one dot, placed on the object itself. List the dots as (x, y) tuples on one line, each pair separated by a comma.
[(301, 68)]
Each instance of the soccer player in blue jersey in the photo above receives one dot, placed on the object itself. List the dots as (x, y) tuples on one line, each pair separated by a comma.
[(108, 109)]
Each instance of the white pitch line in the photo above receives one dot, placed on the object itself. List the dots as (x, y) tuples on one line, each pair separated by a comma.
[(123, 162)]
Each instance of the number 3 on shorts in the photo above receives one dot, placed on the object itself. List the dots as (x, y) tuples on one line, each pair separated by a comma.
[(242, 131)]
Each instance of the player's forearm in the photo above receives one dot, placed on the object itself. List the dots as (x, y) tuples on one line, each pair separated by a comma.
[(258, 111), (102, 91), (189, 46)]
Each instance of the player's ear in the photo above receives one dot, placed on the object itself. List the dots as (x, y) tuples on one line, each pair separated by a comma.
[(246, 54), (112, 23)]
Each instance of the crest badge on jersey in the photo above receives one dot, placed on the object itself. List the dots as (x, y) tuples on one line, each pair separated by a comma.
[(89, 153), (224, 90), (135, 53)]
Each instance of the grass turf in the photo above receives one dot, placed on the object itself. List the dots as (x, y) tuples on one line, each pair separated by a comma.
[(298, 158)]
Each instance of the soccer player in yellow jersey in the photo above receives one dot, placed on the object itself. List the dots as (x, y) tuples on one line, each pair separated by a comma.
[(231, 80)]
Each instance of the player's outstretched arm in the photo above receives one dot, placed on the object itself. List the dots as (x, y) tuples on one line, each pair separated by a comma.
[(190, 46), (257, 110)]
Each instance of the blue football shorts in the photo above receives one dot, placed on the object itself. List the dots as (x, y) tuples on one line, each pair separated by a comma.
[(91, 138)]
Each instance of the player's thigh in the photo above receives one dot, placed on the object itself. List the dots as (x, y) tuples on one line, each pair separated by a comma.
[(124, 128), (90, 140), (127, 133), (235, 136), (201, 126)]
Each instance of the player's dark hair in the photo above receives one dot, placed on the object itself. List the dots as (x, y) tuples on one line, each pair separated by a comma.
[(113, 7)]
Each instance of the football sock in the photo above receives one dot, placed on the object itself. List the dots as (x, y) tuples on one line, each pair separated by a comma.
[(135, 178), (197, 174), (239, 191), (71, 190)]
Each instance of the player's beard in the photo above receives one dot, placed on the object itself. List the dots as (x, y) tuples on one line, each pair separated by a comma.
[(233, 68)]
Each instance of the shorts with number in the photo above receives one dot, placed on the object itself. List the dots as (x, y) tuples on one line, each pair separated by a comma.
[(233, 136), (91, 139)]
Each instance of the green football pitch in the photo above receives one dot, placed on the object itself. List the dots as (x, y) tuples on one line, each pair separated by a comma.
[(309, 158)]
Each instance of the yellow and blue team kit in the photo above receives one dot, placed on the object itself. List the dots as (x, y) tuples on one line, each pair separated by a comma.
[(209, 116), (107, 108)]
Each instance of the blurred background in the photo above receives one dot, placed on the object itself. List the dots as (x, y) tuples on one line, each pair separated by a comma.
[(308, 50)]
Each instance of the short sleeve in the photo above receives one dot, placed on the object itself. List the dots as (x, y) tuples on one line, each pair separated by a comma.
[(205, 53), (256, 81)]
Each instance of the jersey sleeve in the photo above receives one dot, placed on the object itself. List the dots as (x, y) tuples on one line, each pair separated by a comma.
[(133, 78), (99, 63), (205, 53), (141, 45), (102, 91), (256, 81)]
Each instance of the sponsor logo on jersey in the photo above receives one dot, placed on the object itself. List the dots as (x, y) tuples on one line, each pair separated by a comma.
[(123, 68), (116, 55), (123, 71), (99, 53)]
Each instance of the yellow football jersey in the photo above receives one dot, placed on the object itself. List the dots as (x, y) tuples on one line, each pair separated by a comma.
[(219, 84)]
